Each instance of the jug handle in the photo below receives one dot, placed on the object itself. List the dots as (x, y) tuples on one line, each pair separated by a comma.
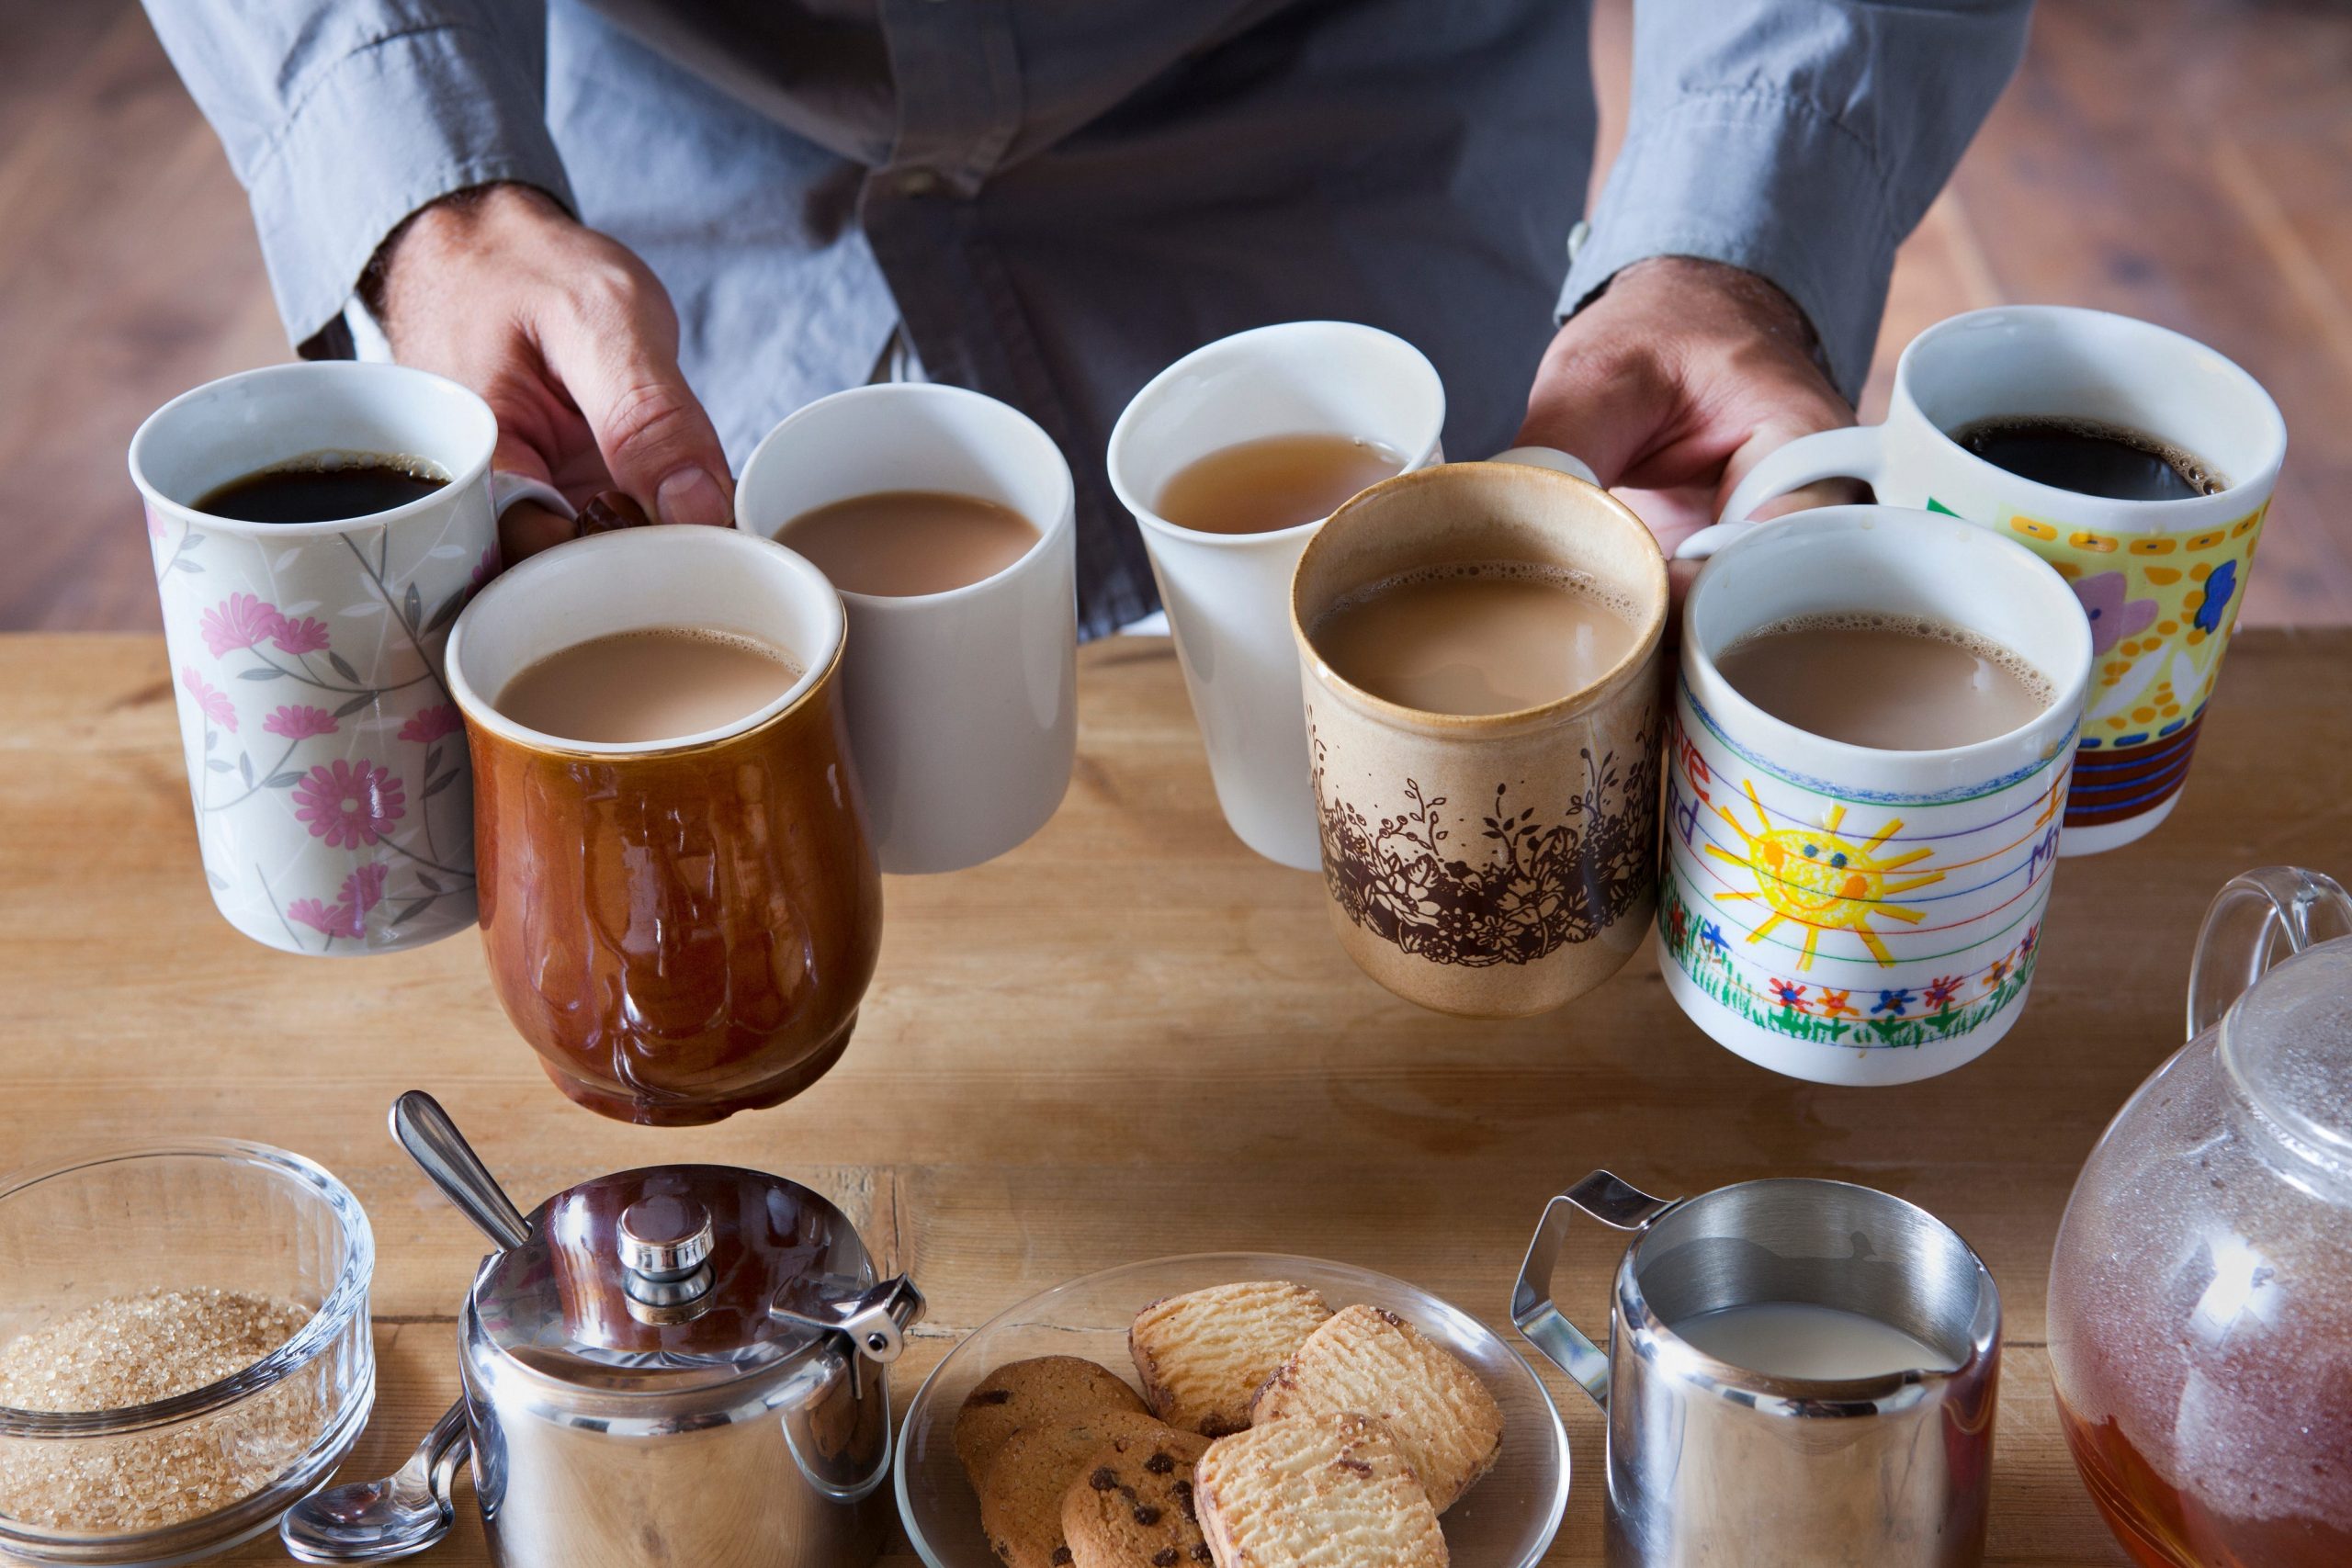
[(2244, 926), (1616, 1204)]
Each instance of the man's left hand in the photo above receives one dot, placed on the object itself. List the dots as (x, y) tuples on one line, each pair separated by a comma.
[(1677, 381)]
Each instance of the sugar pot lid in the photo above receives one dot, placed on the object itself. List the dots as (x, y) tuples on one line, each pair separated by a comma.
[(668, 1280), (679, 1277)]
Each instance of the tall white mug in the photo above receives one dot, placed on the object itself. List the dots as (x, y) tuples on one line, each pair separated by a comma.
[(326, 760), (2161, 580), (963, 716), (1227, 595)]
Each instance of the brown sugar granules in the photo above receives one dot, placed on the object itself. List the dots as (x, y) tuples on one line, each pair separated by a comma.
[(133, 1350)]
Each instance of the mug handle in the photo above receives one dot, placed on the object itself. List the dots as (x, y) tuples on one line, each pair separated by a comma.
[(1618, 1205), (1550, 458), (1858, 452), (2247, 924), (506, 489)]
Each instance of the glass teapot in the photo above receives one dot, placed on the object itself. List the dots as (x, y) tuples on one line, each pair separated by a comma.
[(2201, 1295)]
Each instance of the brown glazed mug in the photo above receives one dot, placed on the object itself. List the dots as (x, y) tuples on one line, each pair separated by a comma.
[(1499, 864), (681, 930)]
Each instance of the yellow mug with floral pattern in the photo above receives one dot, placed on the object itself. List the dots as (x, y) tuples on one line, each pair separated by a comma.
[(2161, 580)]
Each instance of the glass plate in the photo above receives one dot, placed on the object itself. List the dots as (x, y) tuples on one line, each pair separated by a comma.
[(1506, 1522)]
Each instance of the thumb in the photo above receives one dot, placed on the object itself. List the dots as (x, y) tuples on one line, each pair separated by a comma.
[(1606, 407), (657, 442)]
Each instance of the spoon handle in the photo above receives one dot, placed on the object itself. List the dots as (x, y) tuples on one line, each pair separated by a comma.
[(425, 1129)]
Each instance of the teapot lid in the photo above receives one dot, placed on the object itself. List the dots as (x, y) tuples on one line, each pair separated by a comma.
[(2288, 1044), (674, 1279)]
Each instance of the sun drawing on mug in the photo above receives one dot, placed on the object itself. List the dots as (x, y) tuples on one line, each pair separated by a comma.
[(1820, 880)]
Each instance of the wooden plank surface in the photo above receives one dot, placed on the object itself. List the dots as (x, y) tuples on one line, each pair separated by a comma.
[(2190, 161), (1130, 1037)]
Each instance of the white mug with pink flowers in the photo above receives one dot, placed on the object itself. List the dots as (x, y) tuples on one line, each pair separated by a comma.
[(327, 761)]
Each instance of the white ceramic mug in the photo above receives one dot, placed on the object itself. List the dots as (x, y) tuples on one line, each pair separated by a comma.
[(1842, 913), (1227, 595), (326, 760), (963, 715), (2162, 580)]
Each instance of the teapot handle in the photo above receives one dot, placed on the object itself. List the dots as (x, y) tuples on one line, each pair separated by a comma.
[(1616, 1204), (2245, 925)]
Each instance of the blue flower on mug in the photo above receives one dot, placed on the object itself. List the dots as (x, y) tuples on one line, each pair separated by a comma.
[(2219, 587), (1893, 1002)]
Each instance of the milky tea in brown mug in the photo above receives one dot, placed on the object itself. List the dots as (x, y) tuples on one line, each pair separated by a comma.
[(1479, 644), (680, 902)]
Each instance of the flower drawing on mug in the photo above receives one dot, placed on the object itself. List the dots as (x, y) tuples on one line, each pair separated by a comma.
[(427, 725), (347, 805), (2113, 616), (299, 634), (239, 621), (213, 702), (299, 722), (1820, 880), (1539, 887)]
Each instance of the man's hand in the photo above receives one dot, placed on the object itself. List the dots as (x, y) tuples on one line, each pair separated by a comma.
[(1676, 382), (571, 340)]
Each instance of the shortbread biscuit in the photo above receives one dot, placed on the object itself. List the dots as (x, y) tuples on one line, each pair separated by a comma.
[(1316, 1492), (1132, 1504), (1203, 1355), (1373, 1362), (1021, 1487), (1044, 1392)]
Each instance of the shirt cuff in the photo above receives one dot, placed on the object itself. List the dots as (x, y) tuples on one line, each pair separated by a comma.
[(386, 128), (1759, 180)]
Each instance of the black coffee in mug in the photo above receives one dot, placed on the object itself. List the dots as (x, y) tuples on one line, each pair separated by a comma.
[(2089, 456), (325, 487)]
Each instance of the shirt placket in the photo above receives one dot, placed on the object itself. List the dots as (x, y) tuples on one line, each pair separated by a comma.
[(956, 73)]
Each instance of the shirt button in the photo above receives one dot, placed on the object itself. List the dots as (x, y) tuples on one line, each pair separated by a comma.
[(919, 181)]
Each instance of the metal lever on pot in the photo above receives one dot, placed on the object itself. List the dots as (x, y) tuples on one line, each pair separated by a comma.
[(1616, 1204), (874, 1322)]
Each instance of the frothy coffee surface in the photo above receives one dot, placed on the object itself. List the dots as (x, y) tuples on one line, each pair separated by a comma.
[(644, 687), (1894, 682), (1483, 638), (900, 543), (1279, 481)]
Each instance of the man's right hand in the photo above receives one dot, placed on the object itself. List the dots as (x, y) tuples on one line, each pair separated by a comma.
[(573, 344)]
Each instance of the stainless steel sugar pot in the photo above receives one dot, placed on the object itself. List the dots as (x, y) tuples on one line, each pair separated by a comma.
[(1711, 1464), (682, 1365)]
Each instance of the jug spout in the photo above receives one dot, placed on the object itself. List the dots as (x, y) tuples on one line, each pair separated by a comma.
[(1616, 1204)]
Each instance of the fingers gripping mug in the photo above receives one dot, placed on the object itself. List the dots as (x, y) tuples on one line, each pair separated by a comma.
[(2161, 580), (326, 760)]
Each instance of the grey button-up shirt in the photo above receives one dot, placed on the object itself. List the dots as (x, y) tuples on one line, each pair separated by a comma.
[(1059, 196)]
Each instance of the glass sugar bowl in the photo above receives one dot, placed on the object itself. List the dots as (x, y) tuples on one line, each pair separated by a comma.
[(184, 1348), (2201, 1295)]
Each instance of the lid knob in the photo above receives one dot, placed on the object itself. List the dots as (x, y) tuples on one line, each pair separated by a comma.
[(664, 1237)]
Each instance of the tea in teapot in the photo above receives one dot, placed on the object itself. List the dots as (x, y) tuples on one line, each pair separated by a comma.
[(2201, 1295)]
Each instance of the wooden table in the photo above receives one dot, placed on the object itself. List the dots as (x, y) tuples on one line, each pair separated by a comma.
[(1131, 1037)]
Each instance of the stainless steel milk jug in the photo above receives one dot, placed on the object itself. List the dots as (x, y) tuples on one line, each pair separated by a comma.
[(1711, 1464)]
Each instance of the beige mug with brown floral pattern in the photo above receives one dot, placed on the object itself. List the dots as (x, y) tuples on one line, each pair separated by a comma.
[(1494, 864)]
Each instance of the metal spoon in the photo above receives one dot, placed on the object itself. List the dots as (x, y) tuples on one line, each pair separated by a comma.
[(374, 1521), (425, 1129)]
